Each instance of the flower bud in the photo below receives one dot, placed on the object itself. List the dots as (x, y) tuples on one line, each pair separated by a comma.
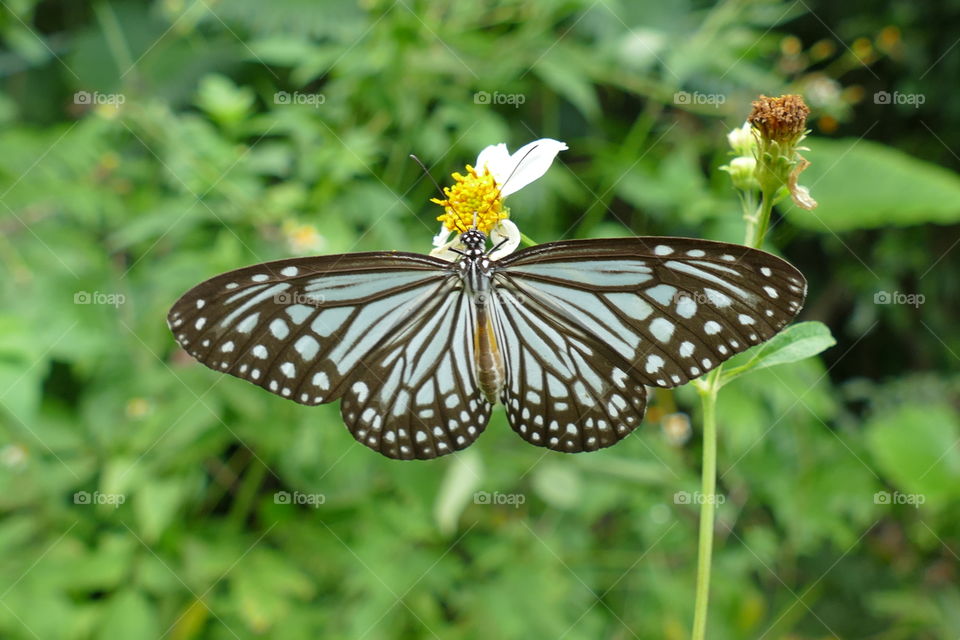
[(742, 172), (742, 140)]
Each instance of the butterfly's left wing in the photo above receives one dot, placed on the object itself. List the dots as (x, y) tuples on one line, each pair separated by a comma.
[(416, 395), (387, 332), (623, 313)]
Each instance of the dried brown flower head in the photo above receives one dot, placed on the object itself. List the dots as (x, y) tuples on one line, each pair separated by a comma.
[(782, 119)]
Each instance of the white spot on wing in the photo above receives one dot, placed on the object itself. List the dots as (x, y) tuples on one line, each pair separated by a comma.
[(299, 312), (247, 324), (716, 298), (631, 304), (307, 347), (279, 329), (654, 362), (662, 329), (321, 380), (662, 293), (360, 388), (686, 307)]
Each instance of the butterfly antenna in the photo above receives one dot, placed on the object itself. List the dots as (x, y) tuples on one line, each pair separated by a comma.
[(427, 173)]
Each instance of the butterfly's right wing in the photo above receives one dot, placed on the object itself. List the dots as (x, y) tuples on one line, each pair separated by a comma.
[(564, 389), (588, 323)]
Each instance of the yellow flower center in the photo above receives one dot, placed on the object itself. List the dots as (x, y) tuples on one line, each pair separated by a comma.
[(474, 199)]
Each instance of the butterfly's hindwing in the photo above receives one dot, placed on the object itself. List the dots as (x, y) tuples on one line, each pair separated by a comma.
[(563, 391), (417, 395)]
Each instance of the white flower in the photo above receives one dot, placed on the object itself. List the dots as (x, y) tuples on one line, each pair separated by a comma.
[(510, 173)]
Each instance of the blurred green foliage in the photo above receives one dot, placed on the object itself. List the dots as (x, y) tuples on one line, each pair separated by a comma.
[(147, 146)]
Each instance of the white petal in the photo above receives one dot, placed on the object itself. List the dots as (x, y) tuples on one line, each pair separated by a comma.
[(443, 251), (496, 158), (508, 231), (441, 238), (527, 163)]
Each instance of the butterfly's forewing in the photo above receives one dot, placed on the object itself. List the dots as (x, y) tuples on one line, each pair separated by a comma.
[(654, 311), (315, 329), (416, 396)]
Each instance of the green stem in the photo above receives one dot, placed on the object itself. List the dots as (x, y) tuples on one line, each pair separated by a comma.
[(247, 492), (708, 504), (527, 240), (759, 223), (113, 34)]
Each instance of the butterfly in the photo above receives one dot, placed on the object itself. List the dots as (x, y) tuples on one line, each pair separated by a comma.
[(566, 335)]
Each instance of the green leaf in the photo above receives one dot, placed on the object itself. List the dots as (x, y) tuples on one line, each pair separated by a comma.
[(223, 100), (559, 72), (864, 185), (129, 615), (796, 342), (266, 588), (915, 447), (155, 505)]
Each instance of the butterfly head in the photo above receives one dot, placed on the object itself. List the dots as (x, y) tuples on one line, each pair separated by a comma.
[(475, 241)]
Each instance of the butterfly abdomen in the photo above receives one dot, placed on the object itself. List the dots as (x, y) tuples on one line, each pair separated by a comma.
[(489, 362)]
